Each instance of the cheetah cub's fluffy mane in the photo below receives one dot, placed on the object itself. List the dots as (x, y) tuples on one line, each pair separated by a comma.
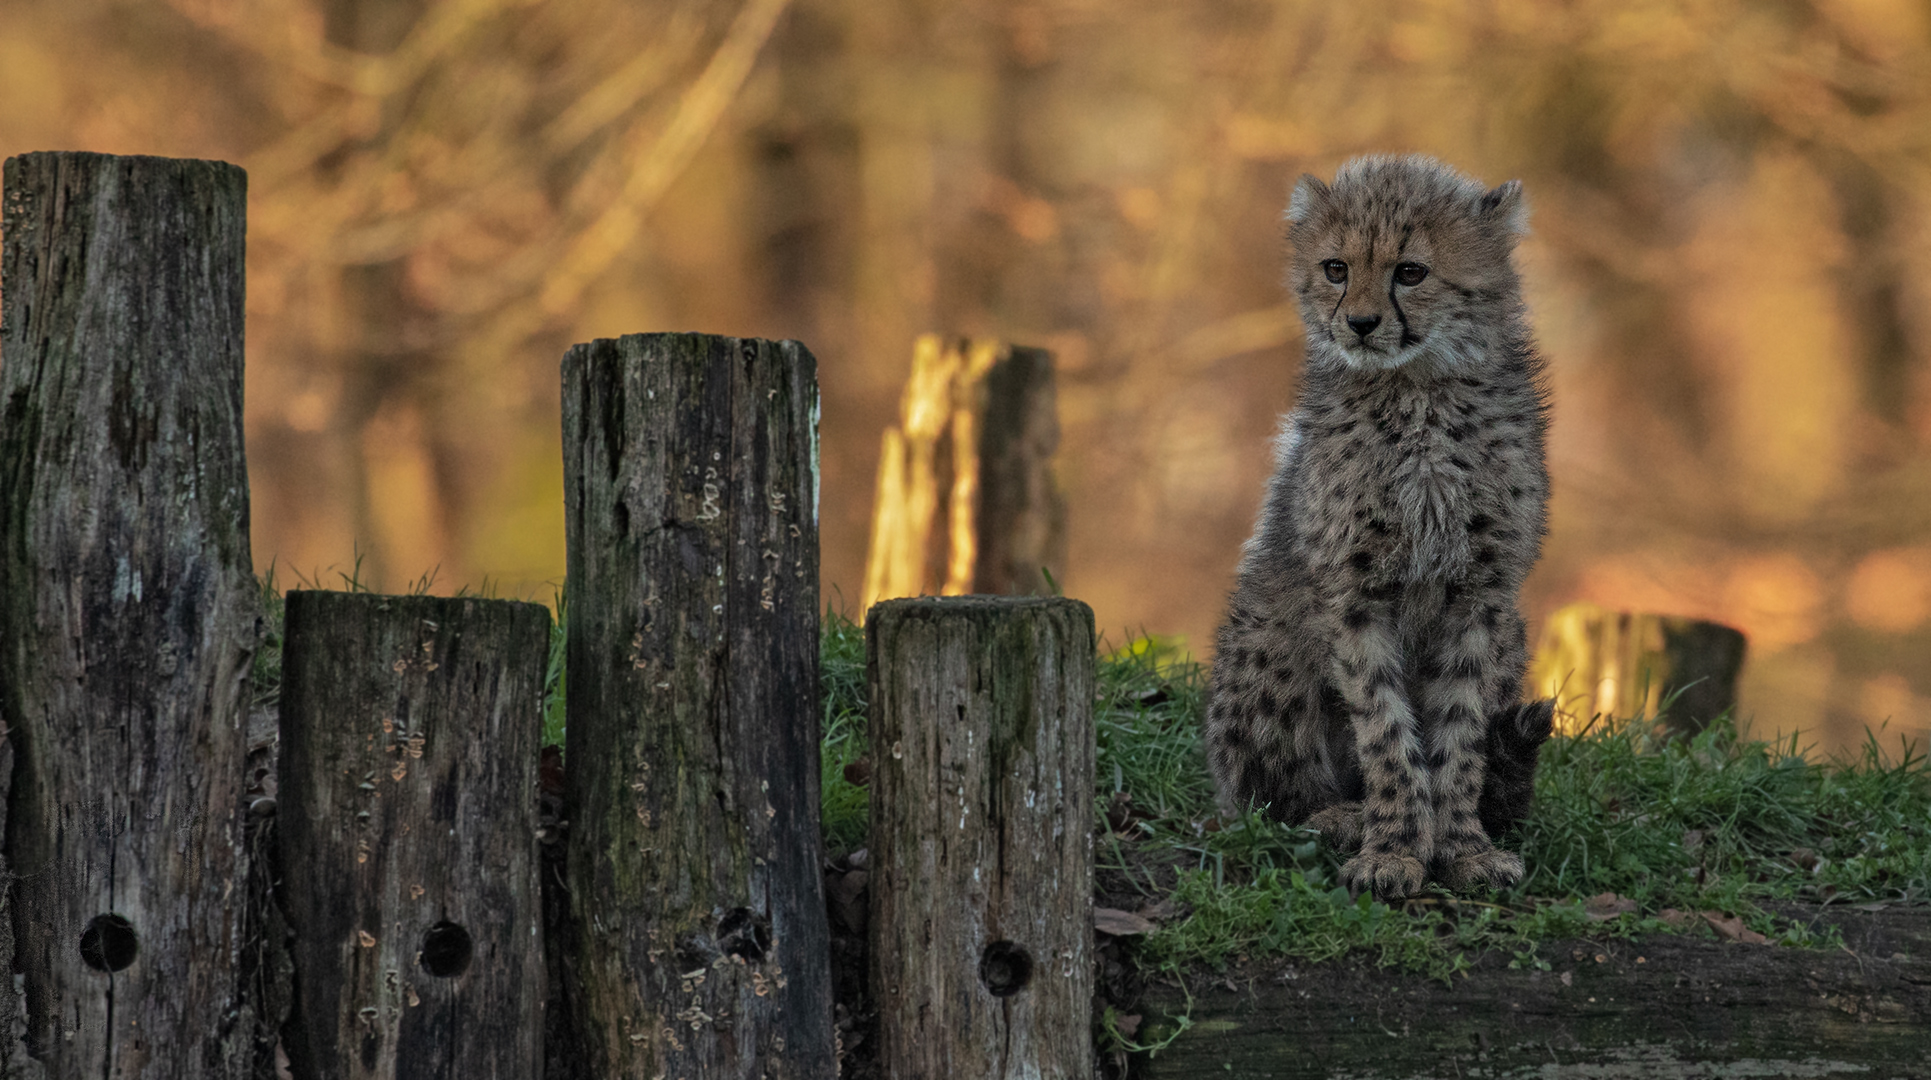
[(1368, 674)]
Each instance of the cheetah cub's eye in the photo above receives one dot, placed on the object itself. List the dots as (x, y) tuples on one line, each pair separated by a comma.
[(1336, 270), (1410, 273)]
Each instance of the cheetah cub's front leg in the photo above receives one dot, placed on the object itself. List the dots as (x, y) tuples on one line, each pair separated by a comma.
[(1397, 817), (1457, 740)]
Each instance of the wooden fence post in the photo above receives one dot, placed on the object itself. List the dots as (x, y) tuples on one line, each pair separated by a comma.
[(128, 610), (698, 946), (407, 830), (966, 499), (982, 833)]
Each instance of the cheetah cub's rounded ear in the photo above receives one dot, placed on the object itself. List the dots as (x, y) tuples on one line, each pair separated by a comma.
[(1504, 206), (1310, 194)]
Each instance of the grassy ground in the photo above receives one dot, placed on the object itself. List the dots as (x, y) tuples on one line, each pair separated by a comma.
[(1629, 834)]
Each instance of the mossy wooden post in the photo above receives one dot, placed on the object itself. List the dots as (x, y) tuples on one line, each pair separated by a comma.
[(128, 610), (407, 827), (699, 944), (981, 838), (966, 499)]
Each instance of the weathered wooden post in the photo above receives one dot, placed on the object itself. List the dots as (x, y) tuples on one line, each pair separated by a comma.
[(407, 827), (699, 946), (128, 610), (982, 833), (966, 500)]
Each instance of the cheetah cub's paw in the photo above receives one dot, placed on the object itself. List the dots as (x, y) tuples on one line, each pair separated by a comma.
[(1341, 824), (1390, 875), (1493, 867)]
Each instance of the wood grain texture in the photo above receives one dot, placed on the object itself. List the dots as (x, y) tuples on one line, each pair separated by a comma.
[(981, 839), (1659, 1007), (698, 944), (128, 608), (410, 727)]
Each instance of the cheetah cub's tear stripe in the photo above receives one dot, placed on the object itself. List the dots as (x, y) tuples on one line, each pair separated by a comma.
[(1368, 675)]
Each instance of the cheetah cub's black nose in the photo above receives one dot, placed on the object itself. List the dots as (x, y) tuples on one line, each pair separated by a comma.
[(1363, 324)]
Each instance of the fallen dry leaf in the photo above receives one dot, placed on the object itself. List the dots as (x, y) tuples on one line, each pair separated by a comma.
[(1606, 906), (1677, 919), (1731, 928), (1121, 923)]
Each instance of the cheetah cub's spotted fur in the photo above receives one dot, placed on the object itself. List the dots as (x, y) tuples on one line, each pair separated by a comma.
[(1368, 674)]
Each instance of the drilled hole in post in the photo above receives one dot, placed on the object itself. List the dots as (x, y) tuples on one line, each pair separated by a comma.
[(741, 933), (1005, 968), (446, 950), (109, 943)]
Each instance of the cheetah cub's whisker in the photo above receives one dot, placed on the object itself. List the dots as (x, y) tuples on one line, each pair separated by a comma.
[(1368, 675)]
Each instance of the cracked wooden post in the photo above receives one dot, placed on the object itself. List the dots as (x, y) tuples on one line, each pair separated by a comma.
[(407, 830), (128, 613), (981, 838), (698, 943)]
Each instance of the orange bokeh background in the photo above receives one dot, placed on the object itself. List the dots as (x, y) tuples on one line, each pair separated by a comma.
[(1726, 272)]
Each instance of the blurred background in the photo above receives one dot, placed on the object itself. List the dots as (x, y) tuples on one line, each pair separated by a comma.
[(1727, 271)]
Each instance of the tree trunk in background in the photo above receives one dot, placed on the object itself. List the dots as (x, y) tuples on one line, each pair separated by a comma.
[(966, 500), (407, 827), (128, 610), (697, 944), (981, 837), (1622, 665)]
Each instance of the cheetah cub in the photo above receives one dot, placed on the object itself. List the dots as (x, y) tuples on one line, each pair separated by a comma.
[(1371, 662)]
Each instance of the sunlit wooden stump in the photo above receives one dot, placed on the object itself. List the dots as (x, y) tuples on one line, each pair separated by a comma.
[(1620, 664), (966, 501)]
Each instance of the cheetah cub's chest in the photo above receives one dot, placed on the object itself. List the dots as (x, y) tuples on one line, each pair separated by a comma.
[(1403, 478)]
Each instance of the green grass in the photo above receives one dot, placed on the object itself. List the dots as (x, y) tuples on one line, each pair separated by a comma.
[(1725, 822), (841, 672), (1718, 823)]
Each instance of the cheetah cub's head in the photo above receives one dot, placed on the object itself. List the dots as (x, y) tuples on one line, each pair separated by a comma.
[(1403, 258)]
